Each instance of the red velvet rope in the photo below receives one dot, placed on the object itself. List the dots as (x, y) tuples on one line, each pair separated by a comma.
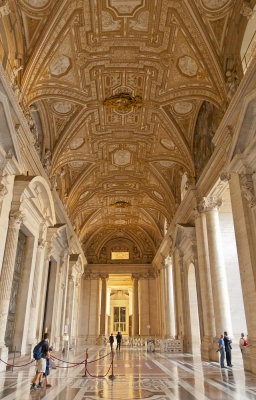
[(16, 366), (99, 376), (67, 362)]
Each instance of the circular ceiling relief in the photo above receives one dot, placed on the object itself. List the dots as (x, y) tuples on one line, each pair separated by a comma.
[(168, 144), (60, 65), (76, 143), (187, 66), (62, 107), (214, 4), (37, 3), (183, 107), (122, 157)]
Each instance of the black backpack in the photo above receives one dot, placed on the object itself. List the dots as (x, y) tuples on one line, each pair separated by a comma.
[(37, 352)]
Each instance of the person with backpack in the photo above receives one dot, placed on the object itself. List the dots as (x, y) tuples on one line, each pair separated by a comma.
[(118, 340), (111, 340), (40, 354)]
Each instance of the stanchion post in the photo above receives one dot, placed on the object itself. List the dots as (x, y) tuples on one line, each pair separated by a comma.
[(14, 354), (85, 364), (112, 376)]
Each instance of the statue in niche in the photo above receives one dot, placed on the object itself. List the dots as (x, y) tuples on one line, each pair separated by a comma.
[(47, 160), (103, 255), (184, 186), (208, 120), (136, 253)]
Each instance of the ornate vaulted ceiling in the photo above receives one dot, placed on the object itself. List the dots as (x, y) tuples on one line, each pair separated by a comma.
[(81, 52)]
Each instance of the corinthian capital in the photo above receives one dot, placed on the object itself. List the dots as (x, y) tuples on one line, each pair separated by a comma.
[(247, 188), (209, 203), (16, 219)]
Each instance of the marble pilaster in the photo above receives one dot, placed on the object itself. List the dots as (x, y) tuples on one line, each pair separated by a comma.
[(8, 270), (103, 308), (135, 314)]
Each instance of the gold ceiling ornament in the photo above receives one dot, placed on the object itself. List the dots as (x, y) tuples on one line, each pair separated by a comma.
[(123, 102), (120, 204)]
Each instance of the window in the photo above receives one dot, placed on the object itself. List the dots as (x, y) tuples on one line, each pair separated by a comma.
[(119, 324), (120, 255)]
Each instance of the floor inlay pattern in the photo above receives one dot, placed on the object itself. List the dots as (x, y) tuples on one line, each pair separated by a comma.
[(139, 375)]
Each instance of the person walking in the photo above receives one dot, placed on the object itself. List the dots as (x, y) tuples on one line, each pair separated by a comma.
[(228, 348), (111, 340), (40, 353), (222, 351), (118, 340)]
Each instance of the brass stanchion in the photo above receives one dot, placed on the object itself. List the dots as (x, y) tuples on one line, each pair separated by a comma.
[(85, 365), (112, 376)]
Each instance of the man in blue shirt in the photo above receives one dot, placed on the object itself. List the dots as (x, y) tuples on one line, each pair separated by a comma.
[(222, 351)]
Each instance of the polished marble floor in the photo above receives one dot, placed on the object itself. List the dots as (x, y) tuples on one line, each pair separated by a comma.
[(139, 375)]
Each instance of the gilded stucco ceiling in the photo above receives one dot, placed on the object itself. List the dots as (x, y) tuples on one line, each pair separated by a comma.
[(81, 52)]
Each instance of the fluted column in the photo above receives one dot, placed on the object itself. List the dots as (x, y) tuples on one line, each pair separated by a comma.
[(170, 290), (70, 304), (209, 331), (103, 309), (36, 292), (217, 266), (8, 270), (135, 315), (163, 300)]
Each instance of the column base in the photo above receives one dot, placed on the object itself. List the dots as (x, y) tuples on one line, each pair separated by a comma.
[(249, 357), (209, 349), (4, 356)]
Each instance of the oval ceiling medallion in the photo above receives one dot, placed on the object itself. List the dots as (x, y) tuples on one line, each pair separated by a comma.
[(183, 107), (158, 195), (187, 66), (60, 65), (76, 164), (214, 4), (62, 107), (83, 195), (37, 3), (76, 143), (168, 144), (166, 164)]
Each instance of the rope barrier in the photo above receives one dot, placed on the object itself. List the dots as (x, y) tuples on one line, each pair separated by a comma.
[(17, 366), (72, 364), (99, 376)]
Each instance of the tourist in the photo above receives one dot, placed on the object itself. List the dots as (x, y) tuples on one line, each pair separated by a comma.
[(228, 349), (41, 353), (222, 351), (118, 340), (47, 370), (111, 340), (242, 343)]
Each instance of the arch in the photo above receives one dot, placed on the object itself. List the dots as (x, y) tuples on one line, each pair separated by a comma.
[(33, 192)]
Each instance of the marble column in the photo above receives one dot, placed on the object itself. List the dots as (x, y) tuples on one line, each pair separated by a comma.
[(36, 297), (208, 330), (163, 300), (178, 286), (217, 267), (103, 308), (243, 200), (7, 275), (135, 314), (65, 261), (144, 306), (171, 299), (70, 306)]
